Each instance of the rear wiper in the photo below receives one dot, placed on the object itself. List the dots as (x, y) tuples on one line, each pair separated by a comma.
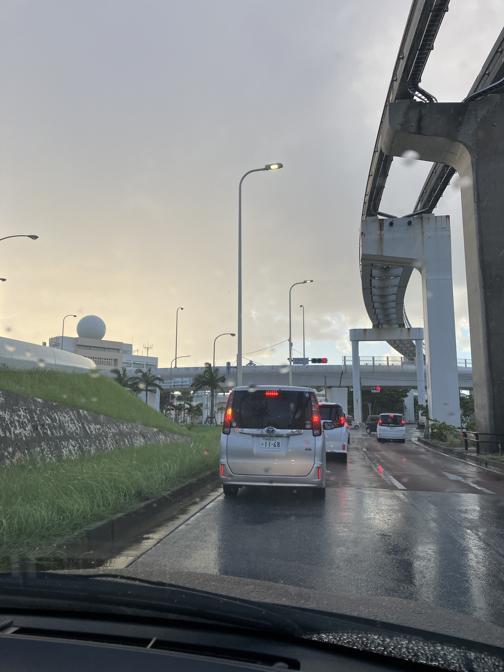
[(110, 592)]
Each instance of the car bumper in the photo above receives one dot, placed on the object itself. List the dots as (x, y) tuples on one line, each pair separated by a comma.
[(311, 480), (391, 436)]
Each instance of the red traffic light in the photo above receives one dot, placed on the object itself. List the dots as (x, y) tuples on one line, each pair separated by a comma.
[(318, 360)]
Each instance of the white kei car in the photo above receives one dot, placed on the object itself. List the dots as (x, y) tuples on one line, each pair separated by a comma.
[(391, 427)]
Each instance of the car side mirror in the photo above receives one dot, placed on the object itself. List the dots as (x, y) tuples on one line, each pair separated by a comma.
[(328, 425)]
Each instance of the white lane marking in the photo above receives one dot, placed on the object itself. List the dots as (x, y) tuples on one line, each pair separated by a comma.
[(395, 482), (454, 457), (383, 473), (467, 481), (151, 539)]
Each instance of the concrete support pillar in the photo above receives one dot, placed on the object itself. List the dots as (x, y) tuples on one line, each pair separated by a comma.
[(470, 138), (439, 324), (409, 407), (420, 372), (356, 382), (423, 242)]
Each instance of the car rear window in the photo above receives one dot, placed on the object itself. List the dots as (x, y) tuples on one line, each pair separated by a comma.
[(330, 412), (390, 419), (283, 409)]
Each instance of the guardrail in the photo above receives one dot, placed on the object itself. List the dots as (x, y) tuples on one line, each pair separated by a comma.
[(478, 438)]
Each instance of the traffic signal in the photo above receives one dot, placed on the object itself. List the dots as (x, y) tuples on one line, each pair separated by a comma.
[(318, 360)]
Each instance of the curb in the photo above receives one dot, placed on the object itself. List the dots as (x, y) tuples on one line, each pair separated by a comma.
[(477, 460), (104, 540)]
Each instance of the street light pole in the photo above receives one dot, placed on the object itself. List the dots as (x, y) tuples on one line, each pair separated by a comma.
[(212, 392), (176, 333), (302, 282), (304, 339), (63, 328), (239, 363), (226, 333)]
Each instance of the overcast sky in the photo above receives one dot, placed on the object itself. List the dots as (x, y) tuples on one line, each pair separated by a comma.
[(126, 125)]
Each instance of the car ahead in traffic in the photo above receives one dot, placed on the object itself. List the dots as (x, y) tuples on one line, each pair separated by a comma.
[(337, 436), (371, 423), (391, 427), (272, 436)]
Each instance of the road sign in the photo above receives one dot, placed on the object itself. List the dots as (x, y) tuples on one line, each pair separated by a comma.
[(303, 361)]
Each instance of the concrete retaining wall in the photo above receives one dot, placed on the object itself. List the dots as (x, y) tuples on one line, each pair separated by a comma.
[(31, 428)]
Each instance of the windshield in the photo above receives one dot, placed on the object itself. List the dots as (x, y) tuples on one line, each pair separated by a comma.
[(251, 292), (390, 419), (330, 412)]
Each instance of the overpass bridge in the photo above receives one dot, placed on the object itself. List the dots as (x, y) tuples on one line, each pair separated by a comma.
[(466, 137), (384, 371)]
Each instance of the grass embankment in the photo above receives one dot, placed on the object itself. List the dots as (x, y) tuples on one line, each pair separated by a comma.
[(89, 391), (43, 504), (40, 505)]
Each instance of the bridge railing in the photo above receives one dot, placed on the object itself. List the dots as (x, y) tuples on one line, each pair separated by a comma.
[(394, 360), (385, 360), (496, 441)]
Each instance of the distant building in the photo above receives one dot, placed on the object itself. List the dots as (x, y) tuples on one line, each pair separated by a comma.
[(107, 355)]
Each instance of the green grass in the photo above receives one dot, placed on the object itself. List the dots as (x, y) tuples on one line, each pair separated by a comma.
[(89, 391), (40, 505)]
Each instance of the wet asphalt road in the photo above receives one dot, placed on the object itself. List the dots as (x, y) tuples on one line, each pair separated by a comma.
[(399, 520)]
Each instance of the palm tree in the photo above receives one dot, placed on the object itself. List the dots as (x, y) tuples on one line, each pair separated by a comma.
[(147, 381), (209, 380), (123, 378)]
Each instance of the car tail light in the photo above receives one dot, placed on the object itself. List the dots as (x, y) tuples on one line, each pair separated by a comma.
[(272, 393), (319, 473), (222, 470), (403, 422), (315, 418), (342, 421), (380, 422), (228, 415)]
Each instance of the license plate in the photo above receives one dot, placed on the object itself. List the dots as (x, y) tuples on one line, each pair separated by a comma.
[(270, 444)]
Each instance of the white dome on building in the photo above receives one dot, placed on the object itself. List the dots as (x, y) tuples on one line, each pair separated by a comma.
[(91, 326)]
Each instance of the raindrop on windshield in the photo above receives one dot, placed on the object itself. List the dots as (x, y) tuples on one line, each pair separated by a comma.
[(283, 369), (410, 156), (460, 182), (41, 364), (10, 348)]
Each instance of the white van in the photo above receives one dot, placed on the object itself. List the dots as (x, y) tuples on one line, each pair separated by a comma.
[(272, 435)]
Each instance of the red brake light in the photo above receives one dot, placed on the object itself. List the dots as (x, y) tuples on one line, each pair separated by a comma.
[(315, 419), (272, 393), (342, 420), (222, 470), (228, 416), (403, 422), (380, 421), (319, 473)]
